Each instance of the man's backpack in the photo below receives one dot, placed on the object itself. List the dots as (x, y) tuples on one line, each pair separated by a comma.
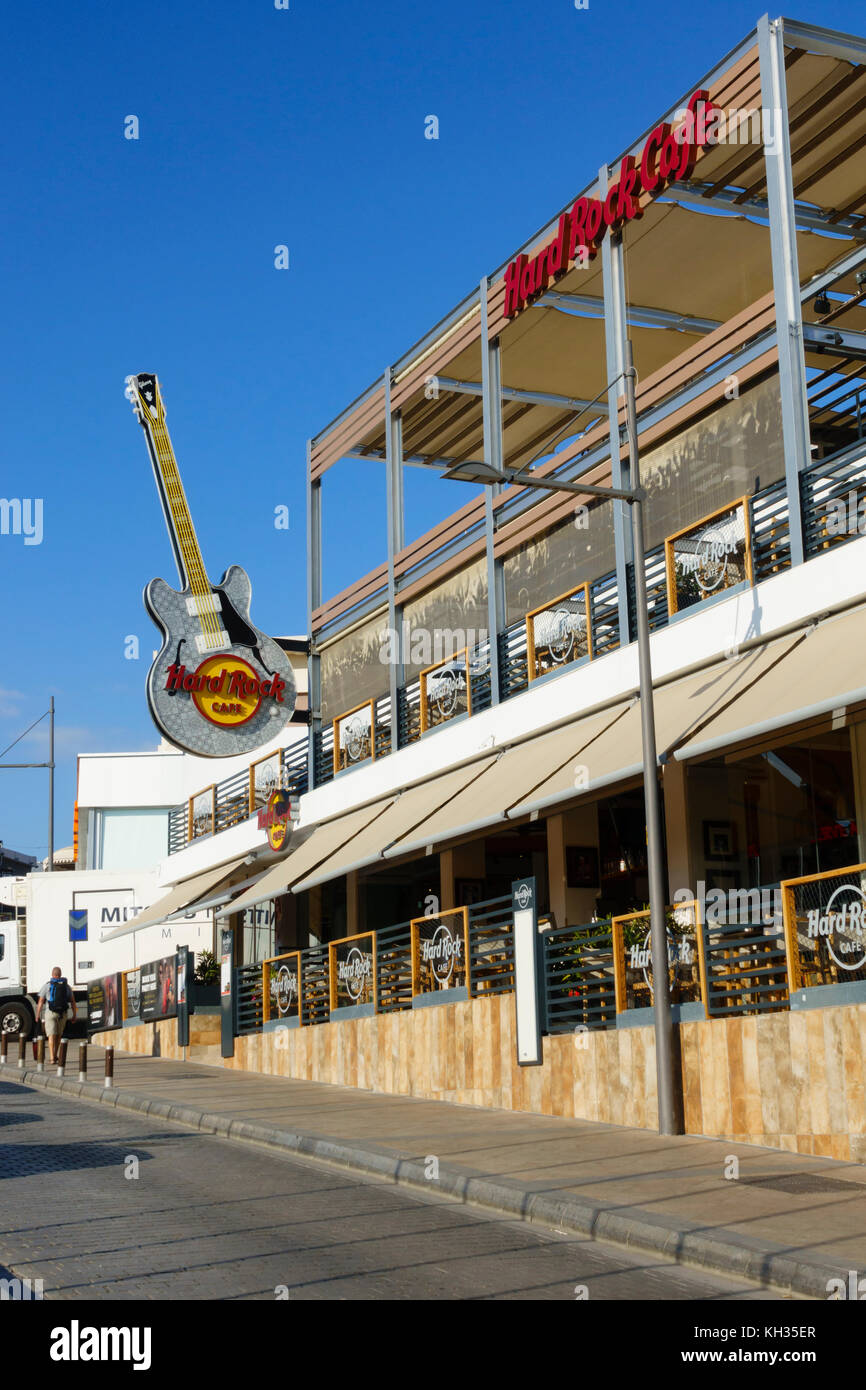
[(58, 995)]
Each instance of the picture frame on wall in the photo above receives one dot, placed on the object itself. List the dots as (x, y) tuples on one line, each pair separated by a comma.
[(720, 840), (582, 866)]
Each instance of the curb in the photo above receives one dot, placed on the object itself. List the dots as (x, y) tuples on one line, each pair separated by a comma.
[(761, 1262)]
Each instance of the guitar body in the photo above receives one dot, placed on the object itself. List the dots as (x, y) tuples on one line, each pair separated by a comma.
[(202, 720)]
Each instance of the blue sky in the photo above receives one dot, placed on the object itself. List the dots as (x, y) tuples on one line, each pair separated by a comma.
[(258, 127)]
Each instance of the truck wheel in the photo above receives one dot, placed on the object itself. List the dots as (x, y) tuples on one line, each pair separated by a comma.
[(16, 1019)]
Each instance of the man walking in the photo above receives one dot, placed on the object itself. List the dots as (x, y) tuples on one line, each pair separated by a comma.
[(56, 998)]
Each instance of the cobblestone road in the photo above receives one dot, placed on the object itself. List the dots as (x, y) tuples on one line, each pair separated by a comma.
[(207, 1219)]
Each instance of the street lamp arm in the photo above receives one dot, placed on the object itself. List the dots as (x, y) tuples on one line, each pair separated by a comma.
[(478, 472), (578, 489)]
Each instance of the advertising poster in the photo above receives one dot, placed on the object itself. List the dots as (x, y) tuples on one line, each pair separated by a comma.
[(103, 1003), (133, 993), (159, 989), (182, 968)]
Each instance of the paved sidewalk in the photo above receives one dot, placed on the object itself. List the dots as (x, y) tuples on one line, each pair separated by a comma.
[(787, 1221)]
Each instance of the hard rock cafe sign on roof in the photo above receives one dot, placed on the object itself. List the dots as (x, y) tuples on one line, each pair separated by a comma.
[(668, 155)]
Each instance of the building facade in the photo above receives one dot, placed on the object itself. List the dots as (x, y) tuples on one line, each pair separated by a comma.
[(474, 698)]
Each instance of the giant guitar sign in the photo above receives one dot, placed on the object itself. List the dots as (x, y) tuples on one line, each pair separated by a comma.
[(218, 685)]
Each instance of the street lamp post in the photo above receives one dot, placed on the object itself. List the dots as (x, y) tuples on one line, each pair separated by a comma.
[(634, 495), (664, 1030)]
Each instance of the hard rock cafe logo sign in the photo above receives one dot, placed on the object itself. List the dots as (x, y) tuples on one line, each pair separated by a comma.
[(714, 550), (443, 951), (276, 818), (668, 155), (284, 989), (709, 557), (681, 956), (842, 925), (355, 972), (225, 689)]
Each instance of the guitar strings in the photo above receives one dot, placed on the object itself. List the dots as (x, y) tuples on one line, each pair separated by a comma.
[(207, 612)]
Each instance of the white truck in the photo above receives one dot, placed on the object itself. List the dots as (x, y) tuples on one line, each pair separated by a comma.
[(35, 935)]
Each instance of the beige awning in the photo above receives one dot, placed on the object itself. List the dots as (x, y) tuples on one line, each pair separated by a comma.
[(682, 708), (788, 681), (323, 844), (407, 818), (180, 897), (510, 775)]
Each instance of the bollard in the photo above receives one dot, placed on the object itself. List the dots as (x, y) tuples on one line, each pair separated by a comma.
[(4, 1048), (22, 1049), (61, 1059), (82, 1061), (40, 1054), (109, 1067)]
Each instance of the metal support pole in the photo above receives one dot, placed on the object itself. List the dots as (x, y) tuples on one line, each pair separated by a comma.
[(51, 784), (667, 1106), (491, 401), (615, 334), (796, 433), (396, 537), (314, 599)]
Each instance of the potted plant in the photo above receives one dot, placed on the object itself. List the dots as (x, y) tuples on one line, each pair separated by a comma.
[(206, 981)]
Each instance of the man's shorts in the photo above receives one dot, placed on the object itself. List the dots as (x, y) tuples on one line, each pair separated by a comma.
[(54, 1023)]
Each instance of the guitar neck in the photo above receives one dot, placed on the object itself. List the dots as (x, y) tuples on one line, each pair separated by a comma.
[(181, 531)]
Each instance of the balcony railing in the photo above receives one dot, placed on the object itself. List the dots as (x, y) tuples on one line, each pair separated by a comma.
[(831, 493), (236, 798), (598, 975)]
